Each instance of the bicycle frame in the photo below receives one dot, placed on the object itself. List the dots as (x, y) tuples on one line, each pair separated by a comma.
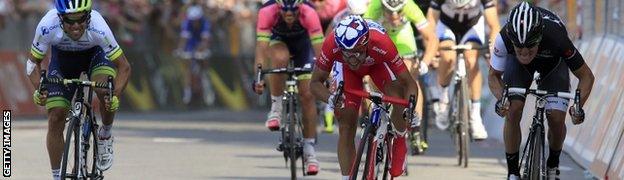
[(82, 127), (291, 141), (375, 136), (536, 131), (87, 123), (536, 138)]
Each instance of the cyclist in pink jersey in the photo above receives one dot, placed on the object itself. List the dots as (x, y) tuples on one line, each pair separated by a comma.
[(290, 29)]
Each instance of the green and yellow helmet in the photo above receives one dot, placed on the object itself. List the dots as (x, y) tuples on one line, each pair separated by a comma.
[(72, 6)]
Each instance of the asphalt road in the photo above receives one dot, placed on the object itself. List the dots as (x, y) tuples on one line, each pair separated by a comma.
[(236, 145)]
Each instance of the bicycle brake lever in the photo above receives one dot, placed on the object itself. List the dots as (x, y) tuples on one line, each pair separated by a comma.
[(259, 73), (110, 88)]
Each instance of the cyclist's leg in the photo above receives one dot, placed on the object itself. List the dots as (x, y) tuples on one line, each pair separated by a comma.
[(382, 77), (99, 71), (406, 45), (556, 80), (347, 116), (303, 55), (101, 68), (447, 58), (475, 36), (58, 102), (279, 57), (444, 72), (515, 75)]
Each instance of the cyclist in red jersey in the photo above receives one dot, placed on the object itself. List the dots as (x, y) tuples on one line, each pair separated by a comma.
[(354, 49)]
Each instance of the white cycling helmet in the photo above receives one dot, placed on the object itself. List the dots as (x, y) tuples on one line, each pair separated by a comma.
[(459, 3), (394, 5), (357, 7), (194, 12)]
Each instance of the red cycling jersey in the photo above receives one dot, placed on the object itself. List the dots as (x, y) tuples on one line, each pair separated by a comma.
[(382, 64)]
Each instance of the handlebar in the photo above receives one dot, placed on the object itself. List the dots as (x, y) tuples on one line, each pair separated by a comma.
[(462, 47), (43, 81), (543, 93), (376, 97), (287, 70)]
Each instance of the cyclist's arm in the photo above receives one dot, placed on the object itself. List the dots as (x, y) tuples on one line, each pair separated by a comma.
[(586, 82), (495, 82), (39, 47), (322, 66), (433, 14), (425, 28), (317, 84), (574, 60), (113, 52), (261, 53), (497, 67), (431, 43), (33, 66), (406, 80), (491, 17), (123, 73)]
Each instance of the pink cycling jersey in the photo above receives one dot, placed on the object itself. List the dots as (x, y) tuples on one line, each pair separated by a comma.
[(271, 23)]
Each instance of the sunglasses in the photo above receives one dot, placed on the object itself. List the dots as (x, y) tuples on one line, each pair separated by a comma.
[(80, 20), (354, 53), (529, 44), (292, 8)]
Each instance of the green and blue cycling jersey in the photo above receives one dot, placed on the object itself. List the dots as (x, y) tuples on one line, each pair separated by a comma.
[(402, 35)]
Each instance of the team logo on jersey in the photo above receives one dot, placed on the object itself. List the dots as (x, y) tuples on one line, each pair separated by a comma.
[(379, 50), (569, 53), (44, 31)]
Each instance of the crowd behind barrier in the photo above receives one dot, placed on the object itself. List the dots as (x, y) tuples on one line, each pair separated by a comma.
[(148, 32)]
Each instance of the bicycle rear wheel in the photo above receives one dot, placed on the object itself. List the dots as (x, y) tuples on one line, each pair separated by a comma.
[(536, 155), (72, 137)]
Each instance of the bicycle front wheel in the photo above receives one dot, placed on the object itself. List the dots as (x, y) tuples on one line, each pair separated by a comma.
[(536, 155), (464, 112), (362, 146), (72, 137), (292, 139)]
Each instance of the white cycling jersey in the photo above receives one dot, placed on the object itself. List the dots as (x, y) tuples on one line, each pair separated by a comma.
[(49, 33)]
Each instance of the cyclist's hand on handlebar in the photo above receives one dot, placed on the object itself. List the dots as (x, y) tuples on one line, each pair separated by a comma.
[(502, 109), (414, 121), (111, 104), (39, 98), (258, 87), (578, 115), (334, 101)]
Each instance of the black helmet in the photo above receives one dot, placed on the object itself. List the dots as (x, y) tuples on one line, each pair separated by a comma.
[(525, 25)]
